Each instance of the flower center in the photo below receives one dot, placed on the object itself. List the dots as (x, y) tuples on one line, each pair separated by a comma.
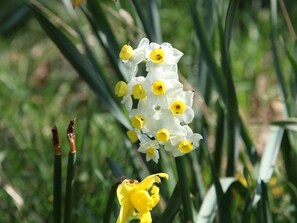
[(121, 88), (163, 135), (185, 146), (159, 87), (177, 107), (126, 52), (150, 152), (138, 91), (157, 55), (138, 121)]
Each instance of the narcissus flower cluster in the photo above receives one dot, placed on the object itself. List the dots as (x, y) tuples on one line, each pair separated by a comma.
[(160, 110), (138, 199)]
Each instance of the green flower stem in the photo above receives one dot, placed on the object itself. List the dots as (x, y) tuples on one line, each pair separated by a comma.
[(184, 189), (57, 205), (70, 172)]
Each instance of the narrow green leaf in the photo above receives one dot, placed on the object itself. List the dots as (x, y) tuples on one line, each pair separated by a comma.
[(209, 206), (110, 203), (224, 212), (278, 70), (154, 18), (218, 152), (289, 124), (80, 63), (144, 20), (172, 207), (293, 191), (232, 8), (231, 102), (270, 153), (266, 210), (216, 75), (289, 153), (102, 29), (185, 189), (116, 170)]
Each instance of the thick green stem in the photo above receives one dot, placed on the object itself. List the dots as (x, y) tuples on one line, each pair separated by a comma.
[(70, 172), (57, 190), (69, 186)]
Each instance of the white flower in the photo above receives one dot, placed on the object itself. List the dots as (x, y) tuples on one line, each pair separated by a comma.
[(184, 145), (166, 128), (132, 57), (181, 106), (162, 56), (150, 148), (133, 89), (161, 87), (142, 116)]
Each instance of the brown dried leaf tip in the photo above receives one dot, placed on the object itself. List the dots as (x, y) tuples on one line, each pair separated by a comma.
[(56, 141), (71, 136)]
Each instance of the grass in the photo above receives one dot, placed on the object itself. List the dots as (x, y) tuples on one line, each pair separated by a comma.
[(40, 89)]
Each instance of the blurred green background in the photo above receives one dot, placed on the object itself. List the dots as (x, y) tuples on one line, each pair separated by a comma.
[(40, 89)]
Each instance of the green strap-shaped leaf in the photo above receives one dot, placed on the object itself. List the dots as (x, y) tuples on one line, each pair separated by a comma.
[(231, 101), (81, 64), (209, 206), (278, 70), (102, 29), (270, 153), (172, 207)]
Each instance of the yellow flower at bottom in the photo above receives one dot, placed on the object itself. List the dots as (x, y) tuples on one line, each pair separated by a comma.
[(138, 199)]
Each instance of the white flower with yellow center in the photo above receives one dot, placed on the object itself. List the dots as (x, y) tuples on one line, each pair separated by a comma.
[(184, 145), (166, 128), (181, 106), (132, 57), (161, 87), (141, 117), (133, 89), (150, 148), (162, 56)]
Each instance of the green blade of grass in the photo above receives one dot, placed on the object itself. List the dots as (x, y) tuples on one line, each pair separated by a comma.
[(80, 63), (172, 207)]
